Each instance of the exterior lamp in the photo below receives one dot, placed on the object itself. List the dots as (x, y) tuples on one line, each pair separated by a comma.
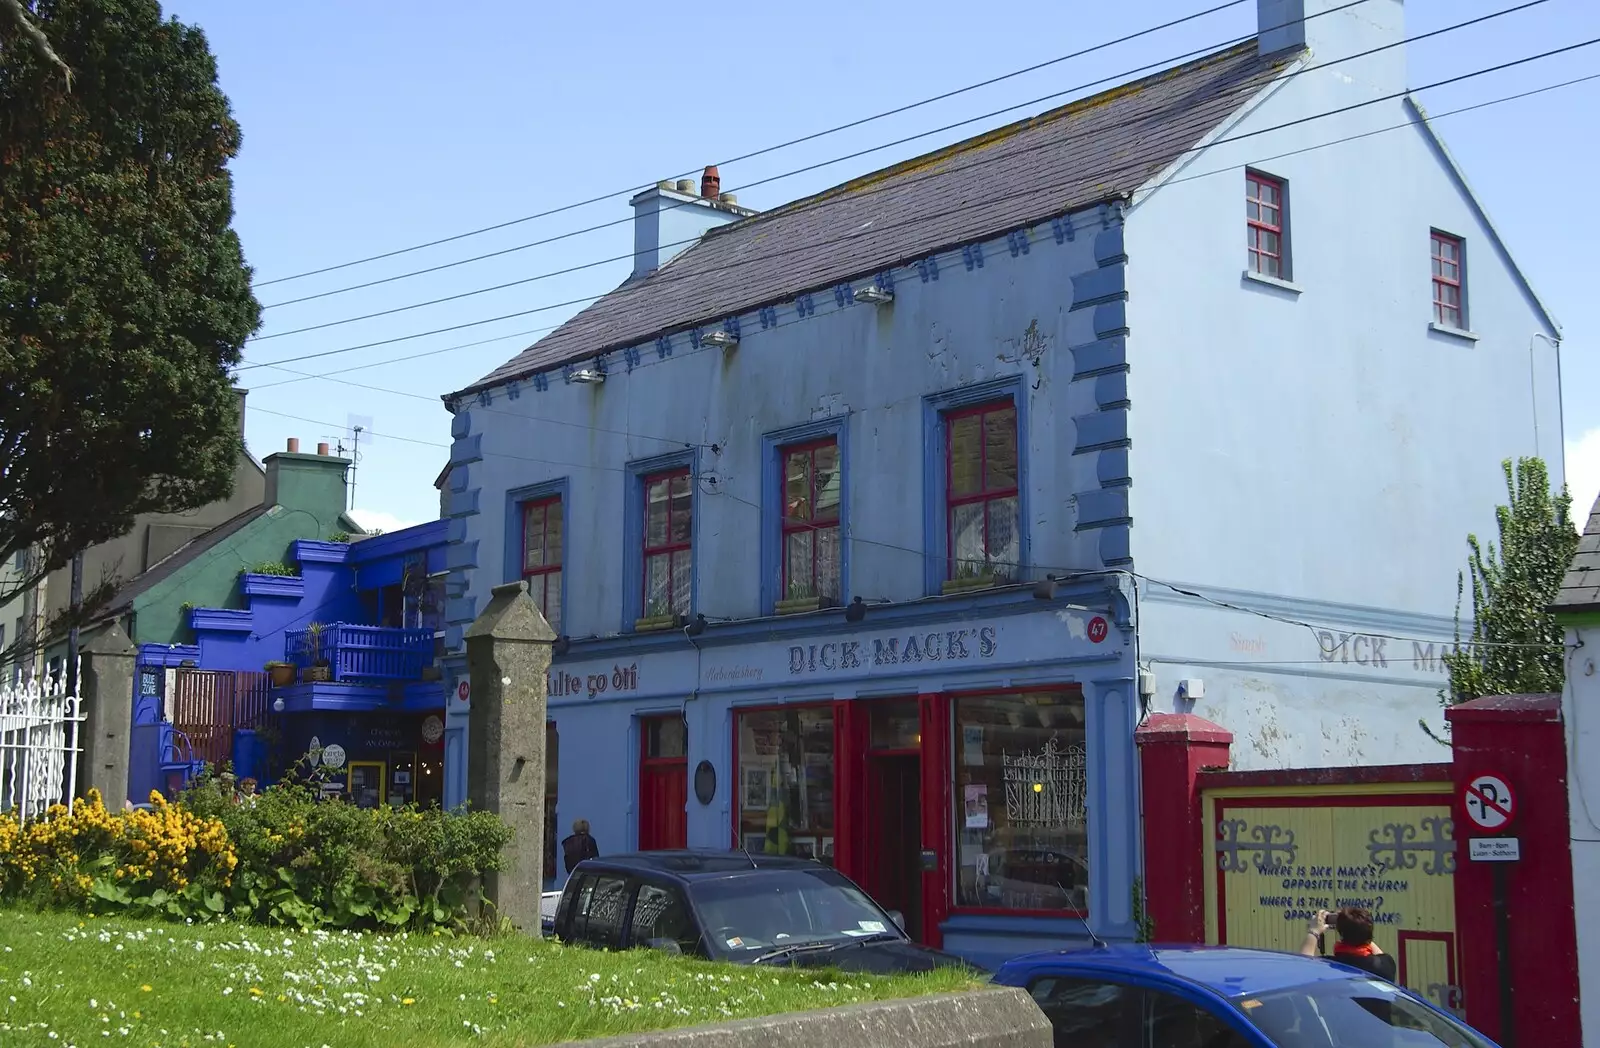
[(277, 704), (875, 295), (720, 340), (588, 376), (562, 645), (696, 626), (856, 611)]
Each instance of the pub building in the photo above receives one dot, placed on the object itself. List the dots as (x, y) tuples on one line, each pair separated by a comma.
[(969, 763)]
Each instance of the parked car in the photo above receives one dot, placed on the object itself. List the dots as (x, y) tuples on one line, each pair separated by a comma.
[(733, 906), (1225, 997), (549, 902)]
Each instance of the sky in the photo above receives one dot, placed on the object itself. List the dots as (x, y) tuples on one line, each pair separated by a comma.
[(369, 128)]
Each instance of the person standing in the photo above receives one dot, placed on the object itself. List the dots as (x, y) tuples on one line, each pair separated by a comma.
[(580, 846), (1355, 946)]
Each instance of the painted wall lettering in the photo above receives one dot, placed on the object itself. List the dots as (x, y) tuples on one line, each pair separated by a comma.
[(1365, 649), (620, 678), (957, 645)]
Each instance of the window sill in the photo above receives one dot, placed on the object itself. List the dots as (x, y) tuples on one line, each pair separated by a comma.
[(966, 585), (656, 623), (1451, 332), (1273, 282), (802, 605)]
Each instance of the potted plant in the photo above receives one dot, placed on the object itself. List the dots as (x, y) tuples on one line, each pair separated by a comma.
[(319, 669), (657, 616), (974, 575), (799, 597), (280, 673)]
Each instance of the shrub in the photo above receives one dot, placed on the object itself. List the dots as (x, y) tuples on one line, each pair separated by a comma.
[(283, 856), (270, 567)]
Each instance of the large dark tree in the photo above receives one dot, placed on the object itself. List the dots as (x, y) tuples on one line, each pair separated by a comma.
[(124, 295)]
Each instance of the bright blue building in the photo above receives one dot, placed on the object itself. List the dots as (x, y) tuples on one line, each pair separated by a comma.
[(873, 524)]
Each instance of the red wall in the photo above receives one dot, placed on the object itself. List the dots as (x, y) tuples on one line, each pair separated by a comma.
[(1519, 738), (1174, 748)]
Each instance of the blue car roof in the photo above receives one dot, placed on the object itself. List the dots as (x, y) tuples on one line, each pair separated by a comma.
[(1228, 970)]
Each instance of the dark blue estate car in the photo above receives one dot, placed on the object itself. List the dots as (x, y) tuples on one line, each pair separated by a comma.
[(1225, 997), (733, 906)]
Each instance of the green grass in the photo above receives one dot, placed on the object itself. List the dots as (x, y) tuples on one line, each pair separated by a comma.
[(66, 980)]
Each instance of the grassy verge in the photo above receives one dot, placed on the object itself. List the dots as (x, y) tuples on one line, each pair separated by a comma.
[(66, 980)]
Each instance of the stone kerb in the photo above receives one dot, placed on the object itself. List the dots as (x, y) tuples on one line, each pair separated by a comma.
[(998, 1017)]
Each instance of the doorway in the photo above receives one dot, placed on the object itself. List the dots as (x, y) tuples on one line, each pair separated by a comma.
[(663, 783), (366, 783), (894, 779)]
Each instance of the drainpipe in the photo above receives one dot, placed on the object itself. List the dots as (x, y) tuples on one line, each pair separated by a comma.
[(1533, 390)]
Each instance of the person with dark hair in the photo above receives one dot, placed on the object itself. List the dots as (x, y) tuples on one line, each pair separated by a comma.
[(580, 846), (1355, 946)]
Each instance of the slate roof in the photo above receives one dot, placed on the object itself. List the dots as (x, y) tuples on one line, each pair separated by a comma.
[(1580, 589), (167, 566), (1090, 151)]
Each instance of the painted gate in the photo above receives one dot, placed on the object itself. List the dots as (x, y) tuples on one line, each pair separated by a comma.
[(1287, 844)]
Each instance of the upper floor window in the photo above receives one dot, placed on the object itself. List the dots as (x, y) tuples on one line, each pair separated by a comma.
[(541, 556), (668, 543), (1449, 301), (811, 522), (1264, 225), (981, 492)]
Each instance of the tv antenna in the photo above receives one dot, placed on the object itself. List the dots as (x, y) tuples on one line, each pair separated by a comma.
[(358, 424)]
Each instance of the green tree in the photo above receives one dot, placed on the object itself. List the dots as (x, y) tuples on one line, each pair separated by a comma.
[(1515, 646), (124, 295)]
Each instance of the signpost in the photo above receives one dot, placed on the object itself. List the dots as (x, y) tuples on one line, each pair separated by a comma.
[(1490, 805)]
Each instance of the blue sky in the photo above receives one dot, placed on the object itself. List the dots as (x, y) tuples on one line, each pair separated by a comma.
[(371, 127)]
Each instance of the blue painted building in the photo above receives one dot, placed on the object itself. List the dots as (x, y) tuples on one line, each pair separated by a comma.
[(873, 524), (362, 626)]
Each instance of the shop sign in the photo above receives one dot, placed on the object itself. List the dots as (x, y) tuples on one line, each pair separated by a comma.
[(622, 678), (963, 644)]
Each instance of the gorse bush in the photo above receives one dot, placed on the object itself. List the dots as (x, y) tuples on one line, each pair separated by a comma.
[(283, 856)]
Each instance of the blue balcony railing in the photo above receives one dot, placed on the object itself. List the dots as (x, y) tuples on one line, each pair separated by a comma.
[(363, 653)]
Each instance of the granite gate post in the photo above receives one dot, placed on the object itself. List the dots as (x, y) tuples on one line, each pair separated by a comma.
[(106, 685), (508, 657)]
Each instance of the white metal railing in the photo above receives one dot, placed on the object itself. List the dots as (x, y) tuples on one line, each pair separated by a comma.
[(39, 744)]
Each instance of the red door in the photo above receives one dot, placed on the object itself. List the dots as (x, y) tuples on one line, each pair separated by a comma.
[(663, 783)]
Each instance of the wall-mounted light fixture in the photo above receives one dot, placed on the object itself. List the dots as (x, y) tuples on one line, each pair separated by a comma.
[(696, 626), (720, 340), (588, 376), (562, 645), (277, 704), (856, 611), (874, 295)]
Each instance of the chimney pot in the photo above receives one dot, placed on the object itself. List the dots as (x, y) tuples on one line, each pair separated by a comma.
[(729, 198), (665, 183), (686, 185), (294, 445), (322, 449), (711, 183)]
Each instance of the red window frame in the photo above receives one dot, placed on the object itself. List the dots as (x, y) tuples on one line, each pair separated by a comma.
[(1263, 194), (791, 526), (545, 505), (667, 547), (1447, 278), (984, 495)]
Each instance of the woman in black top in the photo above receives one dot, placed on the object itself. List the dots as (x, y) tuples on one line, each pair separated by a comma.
[(1355, 946)]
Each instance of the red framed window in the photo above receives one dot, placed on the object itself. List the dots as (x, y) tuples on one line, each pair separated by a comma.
[(1263, 212), (983, 534), (668, 543), (811, 492), (1447, 272), (541, 556)]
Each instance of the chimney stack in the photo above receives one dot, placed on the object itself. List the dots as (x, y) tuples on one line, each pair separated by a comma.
[(294, 445), (711, 183), (669, 216)]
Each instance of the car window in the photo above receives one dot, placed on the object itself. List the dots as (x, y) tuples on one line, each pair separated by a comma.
[(661, 921), (1353, 1013), (748, 915), (1172, 1022), (574, 904), (607, 908), (1088, 1013)]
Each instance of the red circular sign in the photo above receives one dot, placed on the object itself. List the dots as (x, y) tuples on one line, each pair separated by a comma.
[(463, 690), (1098, 629)]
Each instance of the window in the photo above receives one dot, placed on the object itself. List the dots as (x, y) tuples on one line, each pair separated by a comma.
[(1085, 1013), (811, 522), (1263, 212), (661, 921), (1021, 819), (1449, 305), (668, 540), (785, 784), (541, 556), (981, 489), (1172, 1022), (601, 920), (665, 738)]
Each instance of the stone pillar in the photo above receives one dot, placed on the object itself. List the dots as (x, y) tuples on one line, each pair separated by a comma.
[(1174, 748), (106, 685), (508, 657)]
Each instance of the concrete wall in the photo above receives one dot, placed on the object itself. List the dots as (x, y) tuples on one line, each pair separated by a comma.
[(1311, 445), (1579, 706)]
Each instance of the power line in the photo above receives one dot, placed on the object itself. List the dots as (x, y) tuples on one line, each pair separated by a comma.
[(774, 148), (304, 376), (1067, 573), (667, 279), (803, 207), (1115, 77)]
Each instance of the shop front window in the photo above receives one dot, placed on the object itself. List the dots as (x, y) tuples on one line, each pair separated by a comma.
[(785, 784), (1021, 812)]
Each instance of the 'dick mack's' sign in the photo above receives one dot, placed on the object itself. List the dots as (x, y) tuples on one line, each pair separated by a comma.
[(962, 644)]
